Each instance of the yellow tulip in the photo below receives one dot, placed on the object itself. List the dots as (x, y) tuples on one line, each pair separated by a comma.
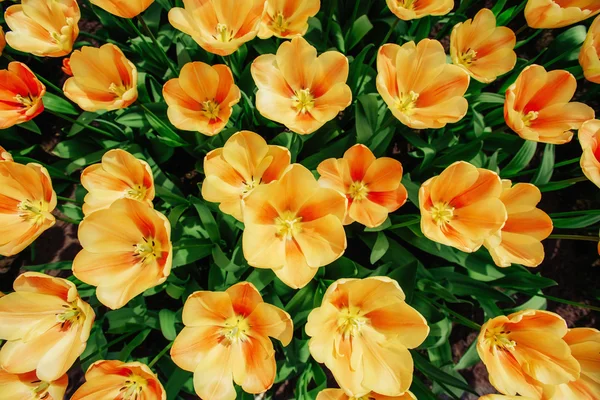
[(287, 18), (413, 9), (123, 8), (339, 394), (589, 138), (29, 386), (550, 14), (20, 95), (590, 53)]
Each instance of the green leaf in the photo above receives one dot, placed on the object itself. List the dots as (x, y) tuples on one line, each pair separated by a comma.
[(208, 220), (437, 375), (57, 104), (176, 381), (520, 160), (167, 320), (544, 172), (366, 117), (380, 248), (188, 251), (469, 359), (359, 29), (133, 344), (61, 265), (576, 222), (85, 118), (31, 126)]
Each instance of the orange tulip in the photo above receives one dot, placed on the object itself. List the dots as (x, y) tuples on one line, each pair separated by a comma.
[(26, 203), (201, 99), (219, 26), (226, 339), (5, 155), (544, 14), (362, 333), (300, 90), (287, 18), (413, 9), (420, 89), (525, 351), (126, 250), (585, 347), (2, 40), (519, 240), (103, 79), (244, 163), (20, 95), (123, 8), (339, 394), (590, 53), (538, 106), (293, 226), (462, 207), (29, 386), (372, 186), (46, 28), (116, 380), (66, 66), (482, 49), (119, 175), (589, 138), (46, 326)]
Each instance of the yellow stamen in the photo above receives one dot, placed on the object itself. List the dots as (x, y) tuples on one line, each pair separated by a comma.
[(148, 250), (117, 90), (235, 330), (210, 109), (408, 4), (288, 225), (33, 211), (223, 33), (133, 388), (250, 185), (467, 58), (64, 38), (351, 322), (136, 193), (279, 23), (72, 315), (26, 101), (40, 391), (442, 213), (499, 338), (406, 103), (530, 116), (303, 101), (358, 191)]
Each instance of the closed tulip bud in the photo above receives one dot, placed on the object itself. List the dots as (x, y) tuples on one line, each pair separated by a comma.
[(590, 53), (287, 18), (20, 94), (550, 14), (123, 8)]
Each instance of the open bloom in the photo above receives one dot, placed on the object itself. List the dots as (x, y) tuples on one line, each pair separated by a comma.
[(119, 175), (413, 9), (339, 394), (5, 155), (294, 226), (46, 28), (287, 18), (201, 99), (226, 339), (525, 351), (590, 53), (585, 347), (484, 50), (420, 89), (233, 171), (126, 250), (461, 207), (123, 8), (20, 95), (589, 138), (26, 204), (112, 380), (29, 386), (538, 106), (300, 90), (46, 326), (362, 333), (519, 240), (550, 14), (372, 185), (103, 79), (218, 26)]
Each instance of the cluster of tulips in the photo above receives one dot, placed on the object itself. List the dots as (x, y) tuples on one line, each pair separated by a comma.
[(293, 222)]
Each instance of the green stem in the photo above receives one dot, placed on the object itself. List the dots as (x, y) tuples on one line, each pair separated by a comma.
[(405, 224), (110, 344), (559, 300), (172, 67), (49, 84), (68, 200), (74, 121), (66, 219), (159, 355), (575, 237), (459, 318), (557, 165), (122, 46)]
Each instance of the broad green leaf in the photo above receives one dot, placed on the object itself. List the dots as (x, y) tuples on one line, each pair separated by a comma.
[(520, 160), (544, 172), (380, 248), (59, 105), (360, 28), (167, 319)]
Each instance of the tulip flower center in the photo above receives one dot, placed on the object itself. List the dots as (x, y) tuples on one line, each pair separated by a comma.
[(408, 4), (288, 225), (530, 116), (303, 101), (147, 249), (64, 38), (250, 185), (442, 213), (235, 330), (407, 102), (40, 391), (33, 211), (25, 101), (499, 338), (136, 193), (358, 191), (133, 387), (350, 322), (210, 109), (70, 316), (279, 23), (468, 57), (224, 34), (117, 90)]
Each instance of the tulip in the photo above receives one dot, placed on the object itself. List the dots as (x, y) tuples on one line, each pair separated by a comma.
[(339, 394), (590, 53), (538, 106), (2, 40), (362, 332), (589, 138), (287, 18), (226, 339), (413, 9), (5, 155), (235, 170), (46, 28), (20, 95), (66, 67), (219, 26), (420, 89), (103, 79), (293, 226), (126, 250), (119, 175), (519, 240), (462, 207), (29, 386), (585, 347), (26, 203), (116, 380), (201, 99), (300, 90), (372, 186), (482, 49), (46, 326), (550, 14), (123, 8), (525, 351)]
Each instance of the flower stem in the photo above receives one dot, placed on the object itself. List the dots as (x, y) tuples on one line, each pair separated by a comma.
[(575, 237), (159, 355), (68, 200), (459, 318), (74, 121), (155, 41), (66, 219)]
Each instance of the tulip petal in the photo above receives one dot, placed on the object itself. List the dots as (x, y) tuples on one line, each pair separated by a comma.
[(263, 248), (321, 241), (213, 377), (192, 344), (453, 181), (244, 298), (268, 320), (207, 309), (255, 366), (295, 60), (368, 213), (383, 175), (388, 369), (296, 273)]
